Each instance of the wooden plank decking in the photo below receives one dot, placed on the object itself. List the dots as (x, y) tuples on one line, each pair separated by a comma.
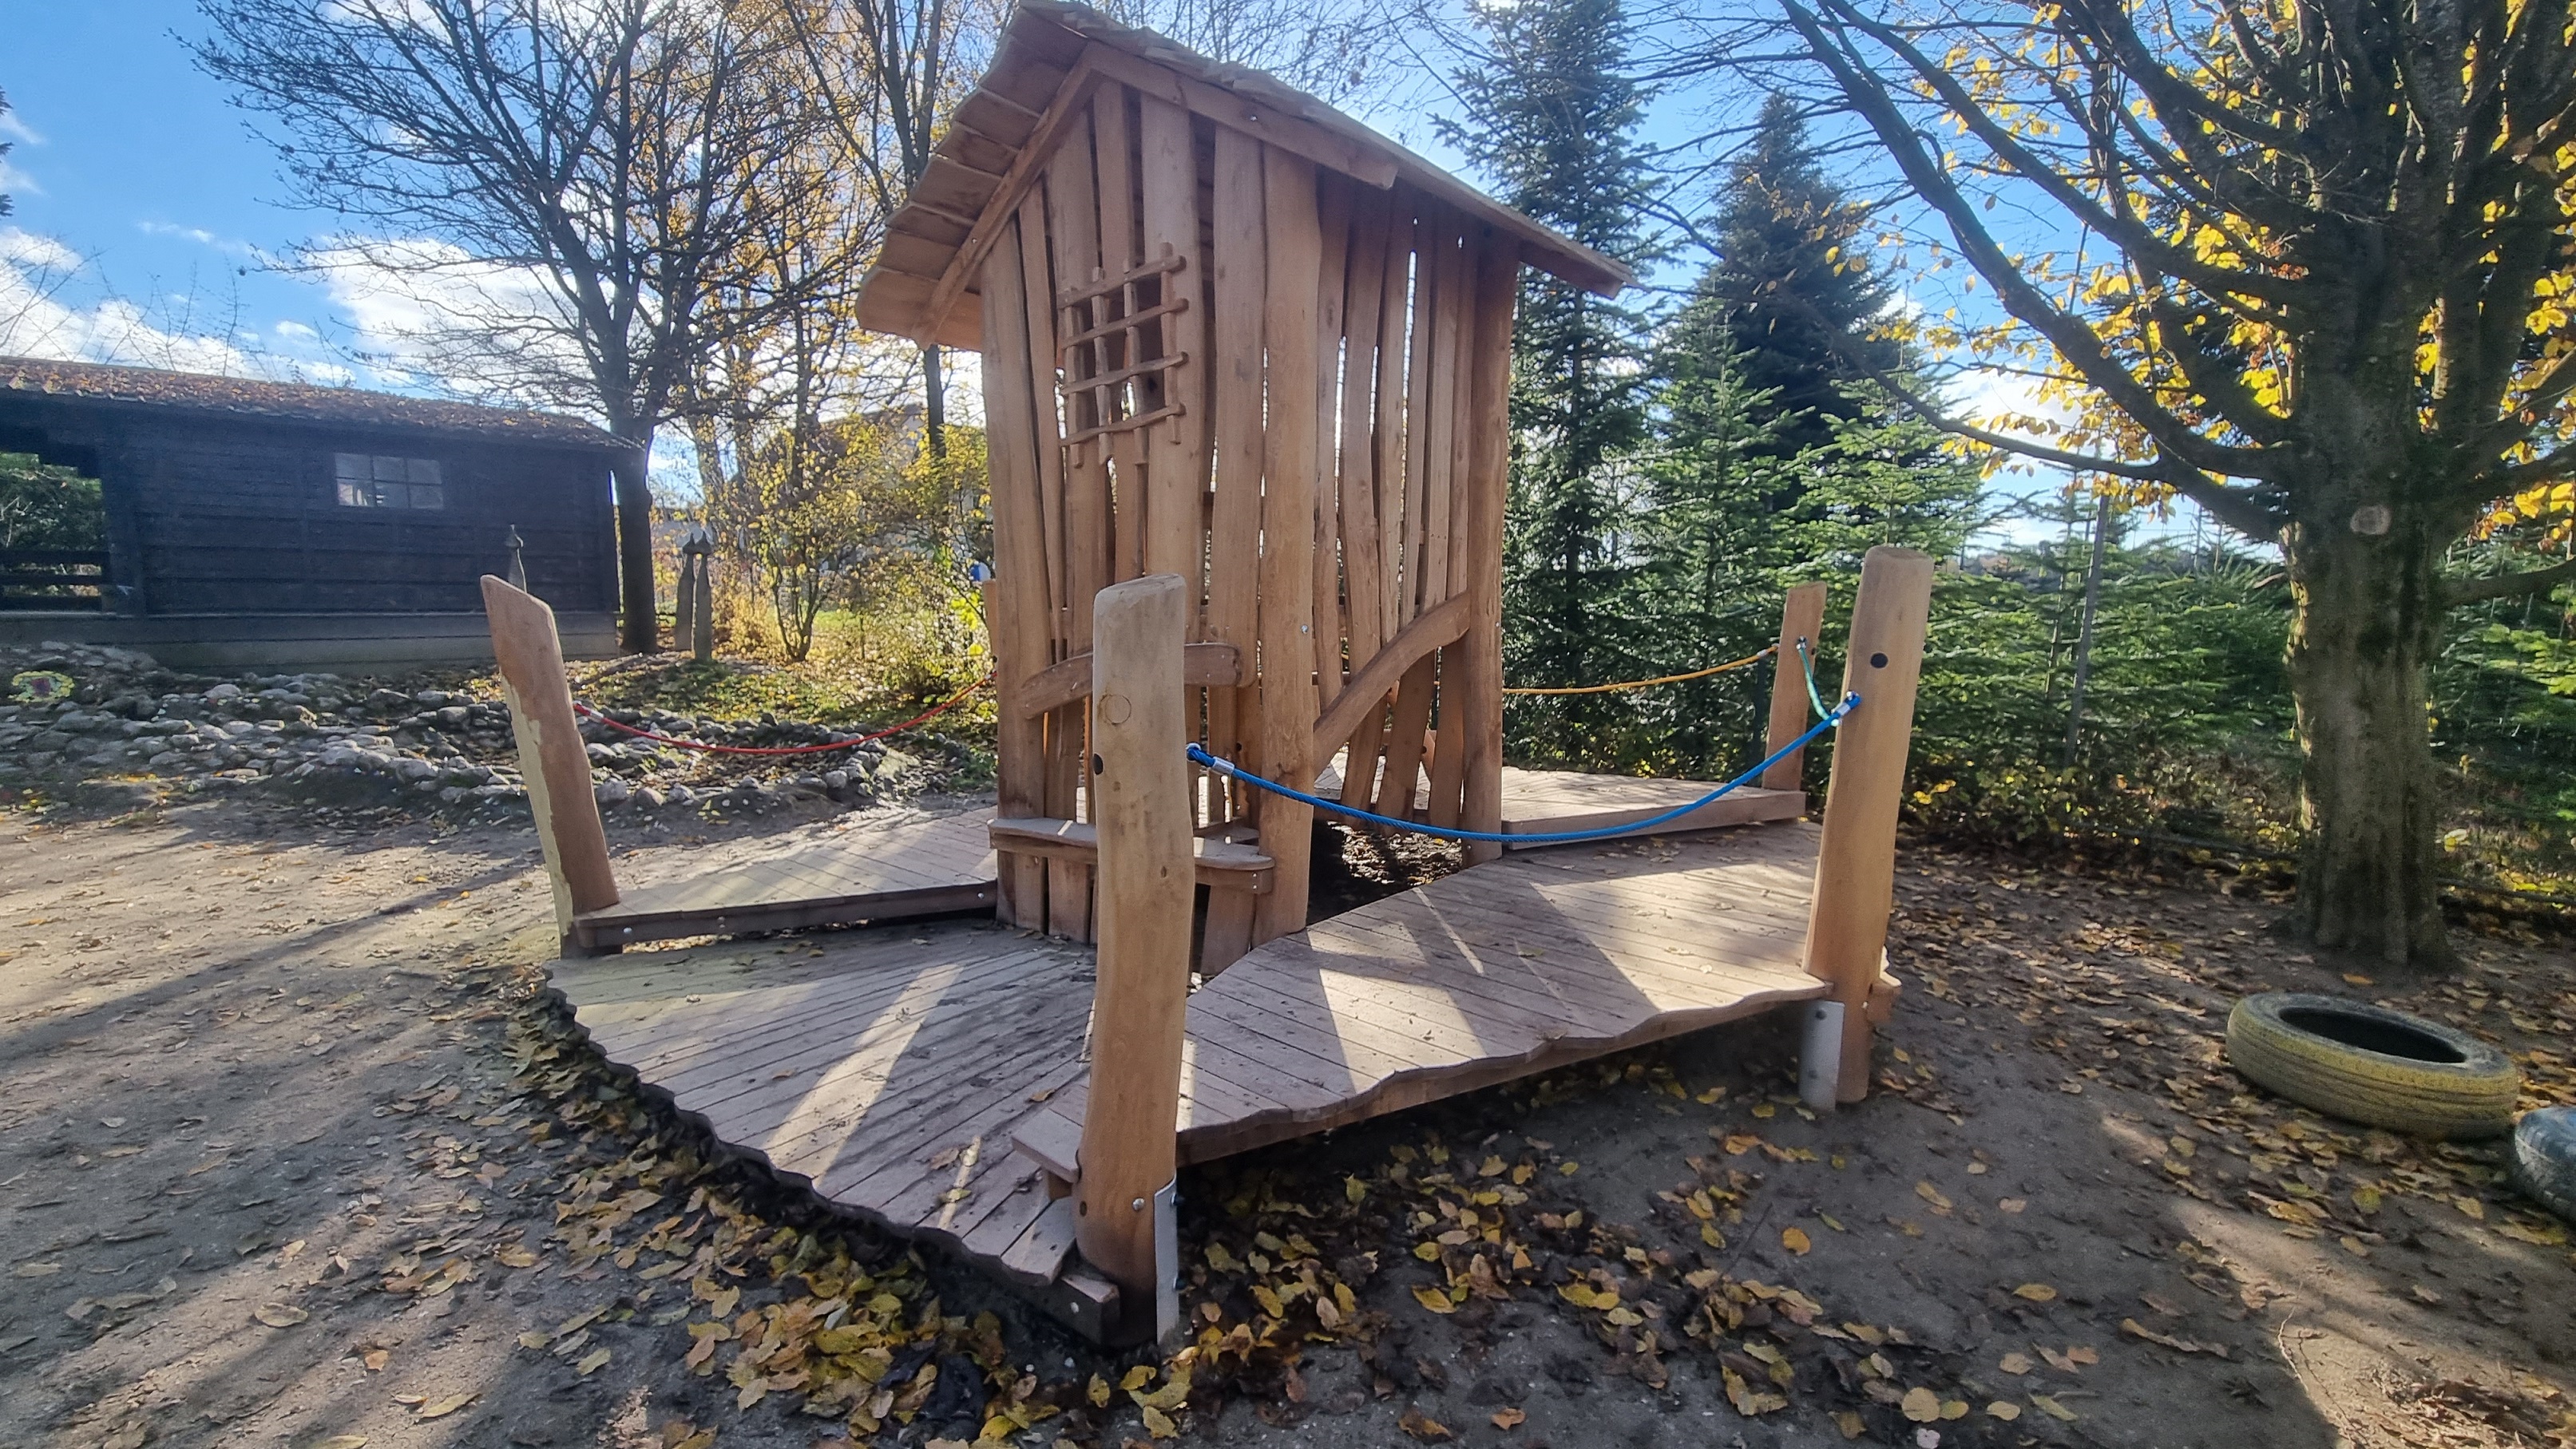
[(869, 871), (1543, 801), (1510, 968), (891, 1068), (883, 1067)]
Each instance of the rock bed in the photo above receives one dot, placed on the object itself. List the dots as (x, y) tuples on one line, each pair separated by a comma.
[(126, 731)]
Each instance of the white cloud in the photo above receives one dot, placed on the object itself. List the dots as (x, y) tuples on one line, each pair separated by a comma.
[(423, 311), (14, 128), (298, 332), (28, 249), (197, 234), (40, 280), (16, 182)]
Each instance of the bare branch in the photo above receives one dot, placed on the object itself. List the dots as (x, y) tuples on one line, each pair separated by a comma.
[(2456, 592)]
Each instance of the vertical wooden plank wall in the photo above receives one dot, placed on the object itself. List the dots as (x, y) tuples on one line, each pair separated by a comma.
[(1325, 466)]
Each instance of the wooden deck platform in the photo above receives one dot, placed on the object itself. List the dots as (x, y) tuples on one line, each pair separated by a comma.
[(1537, 802), (891, 1068), (1529, 962), (884, 1067), (868, 870)]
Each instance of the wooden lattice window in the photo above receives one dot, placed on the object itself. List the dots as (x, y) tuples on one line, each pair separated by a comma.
[(1117, 373)]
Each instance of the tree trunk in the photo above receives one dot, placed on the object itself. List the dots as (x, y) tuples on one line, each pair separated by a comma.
[(639, 630), (2367, 621)]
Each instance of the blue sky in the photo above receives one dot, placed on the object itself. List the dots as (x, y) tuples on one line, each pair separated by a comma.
[(130, 160), (146, 207)]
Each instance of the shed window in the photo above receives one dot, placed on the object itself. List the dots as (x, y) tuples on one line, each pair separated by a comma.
[(368, 481)]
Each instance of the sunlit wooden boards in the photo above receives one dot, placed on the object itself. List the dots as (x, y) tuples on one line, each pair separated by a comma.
[(1536, 802), (883, 1067), (869, 872), (1510, 968)]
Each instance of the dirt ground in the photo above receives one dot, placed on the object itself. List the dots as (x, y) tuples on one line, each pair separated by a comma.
[(293, 1151)]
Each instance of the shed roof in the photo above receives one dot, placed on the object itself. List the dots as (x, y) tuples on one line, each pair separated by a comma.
[(193, 392), (978, 168)]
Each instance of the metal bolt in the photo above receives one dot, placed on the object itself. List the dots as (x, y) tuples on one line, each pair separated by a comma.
[(1138, 1205)]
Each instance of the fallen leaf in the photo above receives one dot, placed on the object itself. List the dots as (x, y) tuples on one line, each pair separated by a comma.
[(1171, 1395), (1098, 1393), (2012, 1204), (1920, 1405), (1932, 1195), (515, 1256), (376, 1358), (343, 1441), (592, 1362), (1160, 1425), (2426, 1295), (1137, 1377), (279, 1315), (1509, 1418), (1432, 1298), (1850, 1423), (2004, 1409), (1796, 1241), (440, 1408), (2052, 1408), (2016, 1363), (2036, 1292), (1423, 1427)]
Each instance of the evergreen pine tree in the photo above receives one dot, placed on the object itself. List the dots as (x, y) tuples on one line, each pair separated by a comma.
[(1788, 296), (1552, 119)]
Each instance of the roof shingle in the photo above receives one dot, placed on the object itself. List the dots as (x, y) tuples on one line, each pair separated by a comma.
[(296, 402)]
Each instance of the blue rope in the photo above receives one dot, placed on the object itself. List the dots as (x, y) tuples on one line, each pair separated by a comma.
[(1807, 662), (1232, 770)]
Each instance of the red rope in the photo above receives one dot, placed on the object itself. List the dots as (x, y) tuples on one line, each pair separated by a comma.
[(931, 713)]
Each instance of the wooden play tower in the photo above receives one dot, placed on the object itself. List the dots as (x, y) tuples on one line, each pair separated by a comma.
[(1245, 368), (1232, 336)]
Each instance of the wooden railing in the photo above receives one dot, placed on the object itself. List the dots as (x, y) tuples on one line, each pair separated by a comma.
[(53, 578)]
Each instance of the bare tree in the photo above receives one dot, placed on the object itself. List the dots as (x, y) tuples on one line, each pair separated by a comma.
[(557, 185), (2332, 311), (885, 72)]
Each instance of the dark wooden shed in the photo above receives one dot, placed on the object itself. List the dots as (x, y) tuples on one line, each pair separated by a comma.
[(254, 524)]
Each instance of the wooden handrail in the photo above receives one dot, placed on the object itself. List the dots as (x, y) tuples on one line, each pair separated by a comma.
[(1442, 624), (1061, 683)]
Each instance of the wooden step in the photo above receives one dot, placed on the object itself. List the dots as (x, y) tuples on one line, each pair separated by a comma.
[(1224, 864)]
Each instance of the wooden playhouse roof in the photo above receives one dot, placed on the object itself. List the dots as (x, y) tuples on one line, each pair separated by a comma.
[(923, 285)]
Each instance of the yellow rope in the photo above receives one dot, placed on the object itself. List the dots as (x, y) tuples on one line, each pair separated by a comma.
[(1746, 662)]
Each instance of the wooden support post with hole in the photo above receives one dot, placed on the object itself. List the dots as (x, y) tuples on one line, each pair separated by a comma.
[(551, 756), (1802, 621), (1856, 859), (1140, 805)]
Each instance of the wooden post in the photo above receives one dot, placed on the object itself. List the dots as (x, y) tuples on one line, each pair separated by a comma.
[(1290, 476), (702, 621), (1802, 617), (1476, 689), (1856, 861), (684, 601), (1140, 802), (550, 752)]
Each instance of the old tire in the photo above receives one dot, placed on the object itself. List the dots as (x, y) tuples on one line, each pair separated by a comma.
[(2371, 1065), (2544, 1159)]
